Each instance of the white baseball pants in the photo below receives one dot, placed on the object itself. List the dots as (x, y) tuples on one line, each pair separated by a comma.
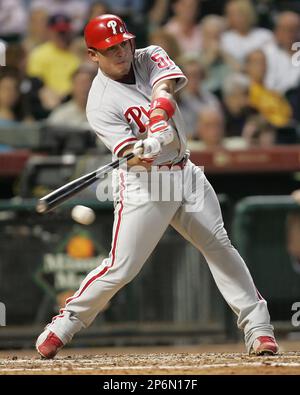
[(139, 224)]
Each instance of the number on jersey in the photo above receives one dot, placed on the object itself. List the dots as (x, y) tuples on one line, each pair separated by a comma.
[(162, 60)]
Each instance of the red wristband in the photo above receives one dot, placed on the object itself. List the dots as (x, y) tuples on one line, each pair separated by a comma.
[(164, 104)]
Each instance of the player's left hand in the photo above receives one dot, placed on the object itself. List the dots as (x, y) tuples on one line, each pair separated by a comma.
[(147, 149)]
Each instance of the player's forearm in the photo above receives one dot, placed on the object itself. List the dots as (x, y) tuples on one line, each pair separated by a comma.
[(164, 89)]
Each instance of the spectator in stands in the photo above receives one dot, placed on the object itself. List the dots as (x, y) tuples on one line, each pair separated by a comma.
[(158, 13), (37, 31), (167, 41), (258, 132), (72, 113), (236, 106), (274, 107), (97, 8), (283, 74), (211, 132), (135, 8), (11, 105), (243, 37), (193, 97), (184, 25), (212, 28), (13, 20), (78, 48), (76, 10), (210, 128), (32, 88), (216, 62), (53, 62)]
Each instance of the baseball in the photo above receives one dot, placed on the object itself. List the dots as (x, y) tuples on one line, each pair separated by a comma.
[(296, 196), (83, 215)]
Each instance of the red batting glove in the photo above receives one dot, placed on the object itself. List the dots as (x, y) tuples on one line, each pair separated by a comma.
[(160, 129), (157, 124)]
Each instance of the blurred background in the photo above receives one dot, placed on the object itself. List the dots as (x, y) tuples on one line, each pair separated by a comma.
[(242, 113)]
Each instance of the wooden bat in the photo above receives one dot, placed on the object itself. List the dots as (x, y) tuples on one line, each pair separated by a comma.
[(60, 195)]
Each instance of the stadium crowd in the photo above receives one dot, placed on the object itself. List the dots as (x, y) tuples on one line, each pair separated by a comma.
[(240, 57)]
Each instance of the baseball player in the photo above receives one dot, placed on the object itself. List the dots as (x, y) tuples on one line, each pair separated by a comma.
[(131, 106)]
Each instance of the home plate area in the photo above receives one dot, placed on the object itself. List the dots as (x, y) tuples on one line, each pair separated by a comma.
[(97, 361)]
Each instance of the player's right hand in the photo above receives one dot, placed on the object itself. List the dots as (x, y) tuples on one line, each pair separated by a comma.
[(147, 149)]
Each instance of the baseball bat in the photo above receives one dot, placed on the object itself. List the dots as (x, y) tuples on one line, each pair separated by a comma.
[(65, 192)]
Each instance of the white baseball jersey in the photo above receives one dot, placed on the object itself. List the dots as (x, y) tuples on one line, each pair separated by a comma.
[(118, 111)]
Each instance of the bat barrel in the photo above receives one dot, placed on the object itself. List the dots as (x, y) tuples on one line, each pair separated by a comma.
[(55, 198)]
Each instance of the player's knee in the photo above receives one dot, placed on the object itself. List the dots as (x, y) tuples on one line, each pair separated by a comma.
[(126, 275), (129, 275), (218, 238), (125, 268)]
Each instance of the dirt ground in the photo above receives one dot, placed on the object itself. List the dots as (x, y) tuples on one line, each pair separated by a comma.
[(229, 359)]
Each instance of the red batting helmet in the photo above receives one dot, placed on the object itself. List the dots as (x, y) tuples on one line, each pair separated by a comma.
[(105, 31)]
